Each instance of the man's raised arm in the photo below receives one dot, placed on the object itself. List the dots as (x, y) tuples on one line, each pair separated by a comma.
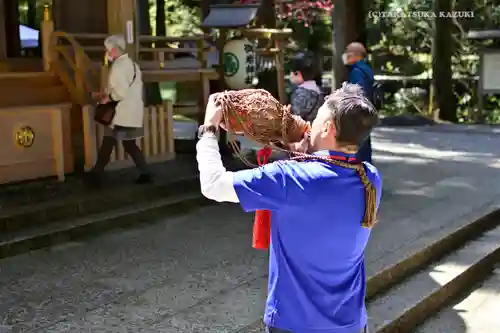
[(259, 188), (216, 182)]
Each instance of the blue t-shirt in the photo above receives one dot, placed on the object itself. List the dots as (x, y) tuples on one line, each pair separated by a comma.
[(317, 281)]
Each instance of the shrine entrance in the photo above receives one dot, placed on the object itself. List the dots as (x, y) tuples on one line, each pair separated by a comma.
[(19, 35)]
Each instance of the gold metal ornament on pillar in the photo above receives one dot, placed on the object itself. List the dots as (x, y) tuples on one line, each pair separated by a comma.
[(24, 137), (46, 12)]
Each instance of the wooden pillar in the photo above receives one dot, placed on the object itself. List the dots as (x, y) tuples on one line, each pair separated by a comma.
[(12, 39), (122, 19), (280, 70), (3, 42), (221, 43), (46, 29)]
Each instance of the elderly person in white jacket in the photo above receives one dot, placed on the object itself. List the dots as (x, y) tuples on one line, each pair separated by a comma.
[(125, 87)]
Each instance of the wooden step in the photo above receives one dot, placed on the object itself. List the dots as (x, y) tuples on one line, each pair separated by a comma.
[(31, 79), (31, 88), (21, 65), (35, 96)]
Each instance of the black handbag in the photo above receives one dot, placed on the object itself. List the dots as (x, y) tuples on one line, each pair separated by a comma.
[(105, 113)]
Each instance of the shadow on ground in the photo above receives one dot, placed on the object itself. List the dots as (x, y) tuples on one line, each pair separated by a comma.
[(198, 273), (431, 166)]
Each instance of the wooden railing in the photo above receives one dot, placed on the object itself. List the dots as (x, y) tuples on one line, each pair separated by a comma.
[(157, 143), (163, 48), (68, 59), (161, 62)]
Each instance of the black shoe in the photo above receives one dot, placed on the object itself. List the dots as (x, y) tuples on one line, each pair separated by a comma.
[(144, 178)]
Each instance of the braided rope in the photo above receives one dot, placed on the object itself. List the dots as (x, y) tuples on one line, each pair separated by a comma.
[(370, 215)]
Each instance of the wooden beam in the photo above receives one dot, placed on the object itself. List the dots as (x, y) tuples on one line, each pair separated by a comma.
[(122, 20), (3, 37)]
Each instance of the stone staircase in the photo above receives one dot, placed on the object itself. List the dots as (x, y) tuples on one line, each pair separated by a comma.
[(411, 292)]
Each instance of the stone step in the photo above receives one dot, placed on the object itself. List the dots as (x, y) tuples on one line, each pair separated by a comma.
[(29, 239), (79, 214), (417, 262), (408, 304), (477, 312), (92, 202)]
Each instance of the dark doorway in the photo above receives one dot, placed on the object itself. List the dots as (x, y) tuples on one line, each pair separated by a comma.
[(22, 28)]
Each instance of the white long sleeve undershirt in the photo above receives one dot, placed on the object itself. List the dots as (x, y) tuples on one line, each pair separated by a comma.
[(216, 182)]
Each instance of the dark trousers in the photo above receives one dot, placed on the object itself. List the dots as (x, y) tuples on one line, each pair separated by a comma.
[(277, 330), (365, 151), (130, 147)]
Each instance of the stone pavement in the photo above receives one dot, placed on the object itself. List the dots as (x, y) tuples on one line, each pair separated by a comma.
[(478, 312), (198, 273)]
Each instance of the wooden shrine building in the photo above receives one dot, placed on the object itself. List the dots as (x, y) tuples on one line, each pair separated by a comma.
[(45, 108)]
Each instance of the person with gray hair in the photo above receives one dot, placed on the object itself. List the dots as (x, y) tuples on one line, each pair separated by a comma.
[(125, 88)]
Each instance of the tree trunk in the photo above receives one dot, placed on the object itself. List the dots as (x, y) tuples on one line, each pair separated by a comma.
[(205, 10), (161, 29), (266, 16), (31, 15), (356, 25), (152, 95), (442, 50), (339, 21)]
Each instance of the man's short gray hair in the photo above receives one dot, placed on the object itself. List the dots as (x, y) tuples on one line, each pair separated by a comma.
[(115, 42), (353, 113)]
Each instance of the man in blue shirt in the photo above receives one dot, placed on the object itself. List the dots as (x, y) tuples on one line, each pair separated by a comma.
[(317, 281), (360, 73)]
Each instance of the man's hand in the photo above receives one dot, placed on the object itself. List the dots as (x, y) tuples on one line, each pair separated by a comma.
[(213, 112), (104, 99), (99, 95), (302, 146)]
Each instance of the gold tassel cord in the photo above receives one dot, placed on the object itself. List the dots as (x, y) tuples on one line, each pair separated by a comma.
[(370, 216)]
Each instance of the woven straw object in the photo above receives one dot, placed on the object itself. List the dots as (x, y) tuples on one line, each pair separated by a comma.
[(256, 114)]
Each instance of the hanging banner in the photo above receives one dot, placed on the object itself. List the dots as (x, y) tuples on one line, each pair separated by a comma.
[(130, 32)]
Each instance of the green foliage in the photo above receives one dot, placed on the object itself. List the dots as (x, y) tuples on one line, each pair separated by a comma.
[(37, 10), (181, 19), (316, 36), (401, 44)]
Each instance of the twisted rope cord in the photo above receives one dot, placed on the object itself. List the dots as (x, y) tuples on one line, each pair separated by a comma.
[(370, 215)]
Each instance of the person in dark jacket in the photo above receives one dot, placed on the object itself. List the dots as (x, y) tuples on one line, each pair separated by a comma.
[(307, 98), (360, 73)]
